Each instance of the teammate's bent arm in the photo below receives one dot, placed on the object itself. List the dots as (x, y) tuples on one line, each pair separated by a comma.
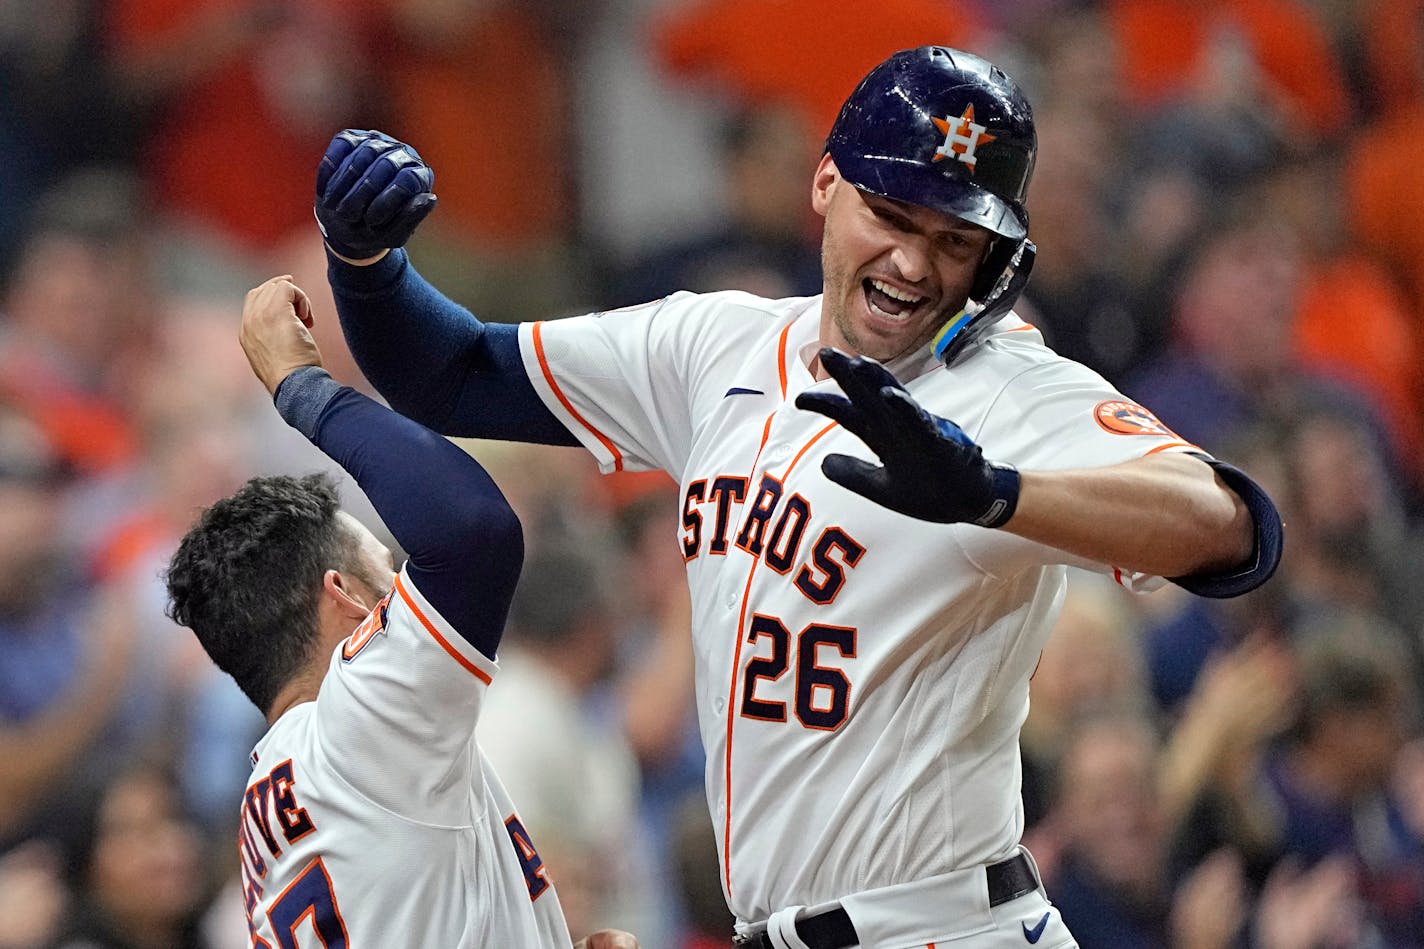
[(465, 543), (432, 360), (1167, 514)]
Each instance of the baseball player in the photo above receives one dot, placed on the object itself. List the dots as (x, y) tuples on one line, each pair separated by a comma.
[(872, 582), (371, 817)]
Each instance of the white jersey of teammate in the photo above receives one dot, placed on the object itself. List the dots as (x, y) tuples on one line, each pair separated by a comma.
[(861, 676), (372, 818)]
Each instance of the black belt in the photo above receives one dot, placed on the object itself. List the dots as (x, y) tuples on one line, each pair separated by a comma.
[(1007, 880)]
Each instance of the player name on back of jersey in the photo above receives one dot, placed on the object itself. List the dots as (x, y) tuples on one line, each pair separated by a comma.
[(273, 818)]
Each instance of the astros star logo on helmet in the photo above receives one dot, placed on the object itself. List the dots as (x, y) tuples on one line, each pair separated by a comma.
[(962, 138)]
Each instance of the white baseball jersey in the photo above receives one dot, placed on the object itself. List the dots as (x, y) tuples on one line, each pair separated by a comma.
[(862, 676), (372, 819)]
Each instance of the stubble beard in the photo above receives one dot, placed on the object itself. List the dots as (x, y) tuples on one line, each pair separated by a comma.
[(841, 319), (848, 288)]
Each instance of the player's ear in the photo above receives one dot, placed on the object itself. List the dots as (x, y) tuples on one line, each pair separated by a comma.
[(344, 594), (823, 183)]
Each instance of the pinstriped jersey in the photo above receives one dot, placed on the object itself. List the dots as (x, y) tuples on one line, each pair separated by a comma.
[(372, 818), (861, 676)]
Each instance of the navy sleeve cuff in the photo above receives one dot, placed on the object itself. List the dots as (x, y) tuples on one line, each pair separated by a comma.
[(1266, 552), (303, 395), (372, 280)]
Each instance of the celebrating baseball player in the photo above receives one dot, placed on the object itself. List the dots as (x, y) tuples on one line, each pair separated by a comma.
[(371, 818), (882, 486)]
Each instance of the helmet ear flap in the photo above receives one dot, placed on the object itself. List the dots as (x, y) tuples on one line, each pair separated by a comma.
[(997, 285), (999, 258)]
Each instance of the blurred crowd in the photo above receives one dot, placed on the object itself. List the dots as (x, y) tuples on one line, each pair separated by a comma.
[(1229, 207)]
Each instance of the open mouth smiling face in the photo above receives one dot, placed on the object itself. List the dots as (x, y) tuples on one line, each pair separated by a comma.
[(894, 272)]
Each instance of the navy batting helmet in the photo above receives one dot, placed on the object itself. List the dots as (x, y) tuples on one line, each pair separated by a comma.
[(949, 131)]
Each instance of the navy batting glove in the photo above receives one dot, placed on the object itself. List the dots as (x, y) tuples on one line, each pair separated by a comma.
[(372, 192), (930, 469)]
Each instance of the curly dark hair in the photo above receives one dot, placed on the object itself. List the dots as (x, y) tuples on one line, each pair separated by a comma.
[(247, 578)]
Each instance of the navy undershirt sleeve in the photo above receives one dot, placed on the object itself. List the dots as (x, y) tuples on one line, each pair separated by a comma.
[(465, 543), (1266, 551), (433, 361)]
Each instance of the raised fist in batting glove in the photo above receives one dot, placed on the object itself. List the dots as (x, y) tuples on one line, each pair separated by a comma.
[(930, 469), (372, 192)]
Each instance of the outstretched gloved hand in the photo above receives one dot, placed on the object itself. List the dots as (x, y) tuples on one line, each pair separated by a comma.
[(372, 192), (930, 469)]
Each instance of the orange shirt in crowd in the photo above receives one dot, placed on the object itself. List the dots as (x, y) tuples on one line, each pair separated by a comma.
[(488, 109), (88, 431), (809, 53), (1384, 181), (235, 143), (1355, 324), (1165, 44), (1384, 197), (1393, 34)]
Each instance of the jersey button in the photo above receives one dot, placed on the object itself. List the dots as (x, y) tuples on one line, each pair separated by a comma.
[(778, 452), (719, 705), (731, 600)]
